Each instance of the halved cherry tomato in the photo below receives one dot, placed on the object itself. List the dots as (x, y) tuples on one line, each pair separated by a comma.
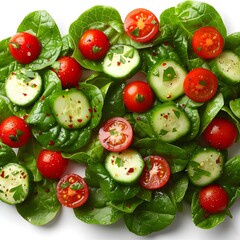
[(24, 47), (69, 71), (72, 191), (141, 25), (51, 164), (207, 42), (116, 134), (156, 172), (14, 132), (94, 44), (200, 85), (213, 199), (221, 133), (138, 96)]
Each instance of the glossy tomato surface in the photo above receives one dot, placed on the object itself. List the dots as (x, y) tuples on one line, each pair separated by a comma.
[(207, 42), (138, 96), (69, 71), (141, 25), (51, 164), (116, 134), (213, 199), (72, 190), (156, 172), (221, 133), (14, 131), (24, 47), (200, 85), (93, 44)]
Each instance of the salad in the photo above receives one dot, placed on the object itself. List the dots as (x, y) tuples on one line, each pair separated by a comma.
[(147, 146)]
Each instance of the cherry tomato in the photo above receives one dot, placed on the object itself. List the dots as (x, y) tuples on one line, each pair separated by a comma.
[(221, 133), (141, 25), (51, 164), (24, 47), (116, 134), (200, 85), (94, 44), (138, 96), (72, 191), (213, 198), (207, 42), (69, 71), (14, 131), (156, 172)]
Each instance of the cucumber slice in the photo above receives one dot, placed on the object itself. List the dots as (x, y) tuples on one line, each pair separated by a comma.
[(23, 87), (121, 62), (166, 78), (125, 167), (227, 67), (169, 122), (205, 166), (71, 108), (14, 183)]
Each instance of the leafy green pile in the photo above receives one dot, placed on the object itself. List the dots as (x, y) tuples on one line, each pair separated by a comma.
[(143, 211)]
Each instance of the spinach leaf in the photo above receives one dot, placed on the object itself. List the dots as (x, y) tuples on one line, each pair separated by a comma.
[(42, 205), (151, 216), (201, 219), (45, 28), (176, 156), (185, 19), (27, 155), (7, 154), (100, 17), (112, 190)]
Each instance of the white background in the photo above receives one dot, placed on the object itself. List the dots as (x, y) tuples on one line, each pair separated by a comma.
[(66, 225)]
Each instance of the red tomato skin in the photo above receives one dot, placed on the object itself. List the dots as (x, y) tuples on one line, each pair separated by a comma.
[(200, 85), (116, 127), (141, 25), (14, 132), (94, 44), (158, 175), (51, 164), (24, 47), (69, 72), (207, 42), (69, 197), (213, 199), (138, 96), (220, 133)]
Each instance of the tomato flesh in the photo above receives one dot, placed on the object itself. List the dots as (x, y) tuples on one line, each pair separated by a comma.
[(116, 134), (69, 71), (72, 191), (213, 199), (221, 133), (141, 25), (14, 132), (200, 85), (156, 172), (51, 164), (207, 42), (24, 47), (93, 44), (138, 96)]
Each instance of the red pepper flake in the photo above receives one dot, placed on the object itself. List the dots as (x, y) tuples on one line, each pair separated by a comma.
[(165, 116), (118, 63), (24, 94), (90, 110), (42, 98), (2, 174), (79, 120), (51, 143), (130, 170), (70, 125)]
